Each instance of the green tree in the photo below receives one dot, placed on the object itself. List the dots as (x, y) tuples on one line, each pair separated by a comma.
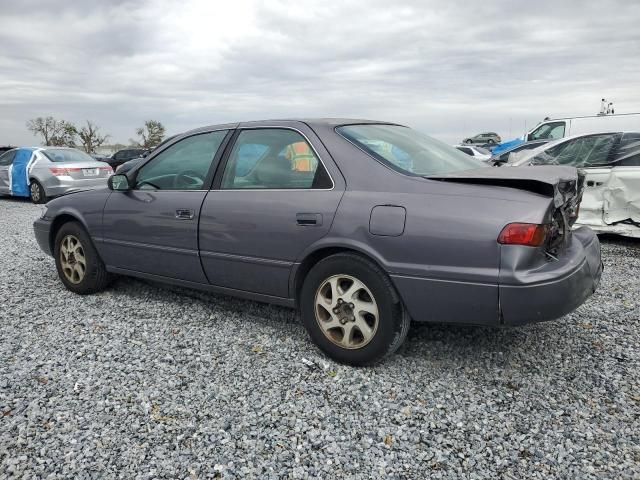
[(90, 137), (150, 135), (53, 132)]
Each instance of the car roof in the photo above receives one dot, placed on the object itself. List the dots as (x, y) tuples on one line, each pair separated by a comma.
[(292, 122)]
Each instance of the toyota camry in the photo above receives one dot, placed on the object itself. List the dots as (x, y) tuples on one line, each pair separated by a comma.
[(363, 226)]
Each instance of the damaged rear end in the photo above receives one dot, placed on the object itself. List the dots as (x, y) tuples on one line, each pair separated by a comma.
[(547, 268)]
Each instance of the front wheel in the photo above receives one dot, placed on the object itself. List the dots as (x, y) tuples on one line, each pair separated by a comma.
[(352, 311), (469, 141), (79, 266), (491, 141), (37, 193)]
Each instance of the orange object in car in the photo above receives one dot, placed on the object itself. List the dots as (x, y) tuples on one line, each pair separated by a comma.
[(301, 157)]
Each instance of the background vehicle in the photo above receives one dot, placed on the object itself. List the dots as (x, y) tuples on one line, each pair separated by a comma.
[(125, 155), (100, 157), (476, 152), (611, 163), (5, 148), (46, 172), (484, 138), (128, 165), (569, 126), (506, 155)]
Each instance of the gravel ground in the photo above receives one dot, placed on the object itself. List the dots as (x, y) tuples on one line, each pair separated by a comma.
[(145, 381)]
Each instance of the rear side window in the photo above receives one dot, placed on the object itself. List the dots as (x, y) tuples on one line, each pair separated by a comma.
[(628, 152), (589, 151), (274, 158), (184, 165)]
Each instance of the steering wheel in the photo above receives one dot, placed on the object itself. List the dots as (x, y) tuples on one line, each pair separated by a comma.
[(188, 178)]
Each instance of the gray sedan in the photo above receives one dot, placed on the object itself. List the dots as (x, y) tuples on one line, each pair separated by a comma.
[(363, 226), (47, 172)]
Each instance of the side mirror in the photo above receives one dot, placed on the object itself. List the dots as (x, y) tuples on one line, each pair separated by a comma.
[(118, 183)]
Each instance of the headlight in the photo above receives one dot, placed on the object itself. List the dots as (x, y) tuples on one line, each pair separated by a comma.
[(43, 213)]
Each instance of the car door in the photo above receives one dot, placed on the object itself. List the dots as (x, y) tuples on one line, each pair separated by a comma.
[(6, 160), (276, 195), (622, 190), (153, 228)]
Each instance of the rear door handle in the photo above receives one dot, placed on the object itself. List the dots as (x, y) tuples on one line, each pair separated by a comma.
[(309, 219), (184, 214)]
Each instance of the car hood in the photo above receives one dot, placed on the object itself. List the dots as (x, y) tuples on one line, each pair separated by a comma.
[(560, 183)]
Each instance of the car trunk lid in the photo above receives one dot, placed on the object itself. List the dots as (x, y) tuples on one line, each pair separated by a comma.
[(563, 184)]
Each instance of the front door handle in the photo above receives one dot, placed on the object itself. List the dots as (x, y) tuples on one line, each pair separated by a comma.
[(184, 214), (309, 219)]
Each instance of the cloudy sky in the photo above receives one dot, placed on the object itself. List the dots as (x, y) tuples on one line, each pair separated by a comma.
[(445, 67)]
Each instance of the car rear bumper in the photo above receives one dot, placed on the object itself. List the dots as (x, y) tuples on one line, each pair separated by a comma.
[(42, 229), (538, 294), (60, 185), (543, 298)]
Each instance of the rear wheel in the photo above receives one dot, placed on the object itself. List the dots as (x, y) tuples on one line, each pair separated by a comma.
[(351, 310), (37, 193), (491, 141), (79, 266)]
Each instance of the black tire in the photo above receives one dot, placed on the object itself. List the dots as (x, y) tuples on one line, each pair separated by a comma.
[(393, 321), (37, 193), (491, 141), (95, 277), (468, 141)]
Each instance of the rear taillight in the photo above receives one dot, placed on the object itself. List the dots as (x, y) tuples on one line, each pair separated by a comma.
[(107, 169), (63, 171), (529, 234)]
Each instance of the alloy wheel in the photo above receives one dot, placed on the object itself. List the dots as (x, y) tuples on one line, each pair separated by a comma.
[(35, 191), (346, 311), (72, 259)]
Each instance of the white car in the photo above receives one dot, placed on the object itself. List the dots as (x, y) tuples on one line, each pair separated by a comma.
[(476, 152), (611, 164)]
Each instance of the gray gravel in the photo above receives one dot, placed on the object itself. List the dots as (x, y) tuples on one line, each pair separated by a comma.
[(145, 381)]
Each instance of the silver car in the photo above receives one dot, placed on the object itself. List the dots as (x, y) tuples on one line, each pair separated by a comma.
[(44, 172)]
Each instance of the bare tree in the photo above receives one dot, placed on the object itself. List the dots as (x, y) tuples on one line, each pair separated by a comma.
[(150, 135), (90, 137), (53, 132), (66, 135)]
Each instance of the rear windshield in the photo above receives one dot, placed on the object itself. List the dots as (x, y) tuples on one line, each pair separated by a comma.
[(408, 151), (66, 155)]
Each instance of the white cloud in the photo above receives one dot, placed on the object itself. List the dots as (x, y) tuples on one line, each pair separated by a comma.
[(448, 68)]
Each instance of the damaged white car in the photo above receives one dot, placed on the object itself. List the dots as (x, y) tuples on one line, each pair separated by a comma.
[(611, 164)]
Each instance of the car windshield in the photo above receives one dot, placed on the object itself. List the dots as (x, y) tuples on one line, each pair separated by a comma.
[(66, 155), (408, 151)]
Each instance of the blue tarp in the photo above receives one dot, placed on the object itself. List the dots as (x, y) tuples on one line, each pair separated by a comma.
[(501, 147), (19, 175)]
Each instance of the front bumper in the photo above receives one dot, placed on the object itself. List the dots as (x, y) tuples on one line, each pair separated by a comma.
[(42, 229), (543, 298)]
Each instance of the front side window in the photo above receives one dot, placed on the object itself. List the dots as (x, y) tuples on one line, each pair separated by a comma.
[(273, 158), (184, 165), (589, 151), (408, 151), (549, 131)]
